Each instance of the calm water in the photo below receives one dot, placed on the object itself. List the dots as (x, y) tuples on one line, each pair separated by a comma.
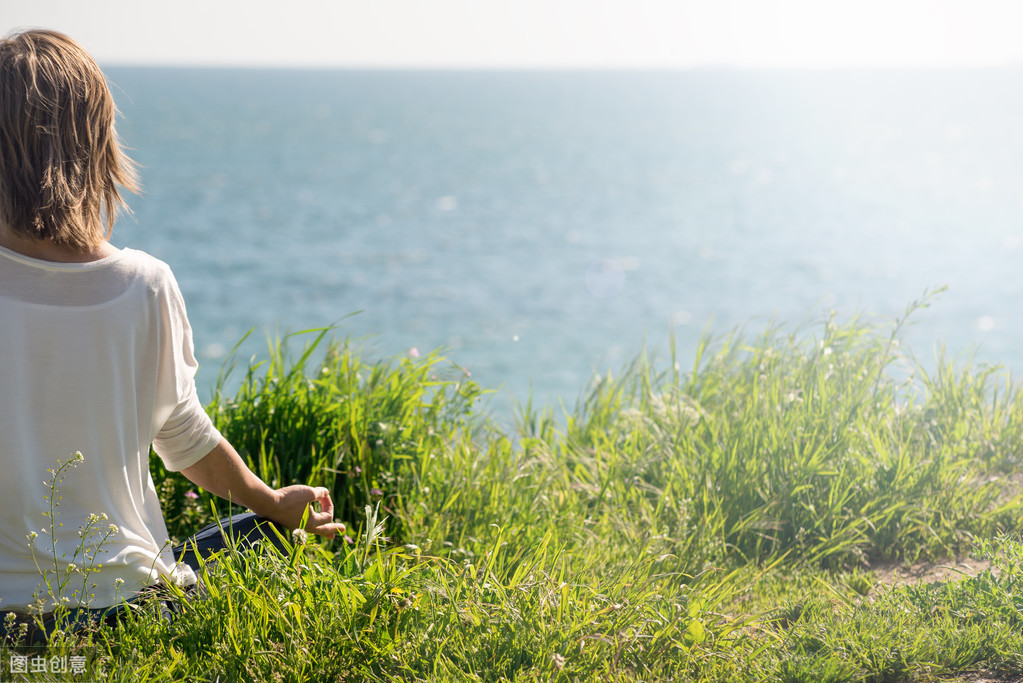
[(542, 226)]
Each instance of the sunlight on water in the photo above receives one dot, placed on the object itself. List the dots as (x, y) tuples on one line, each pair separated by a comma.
[(543, 226), (605, 278)]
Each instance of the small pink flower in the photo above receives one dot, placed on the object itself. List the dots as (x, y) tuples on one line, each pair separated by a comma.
[(413, 352), (191, 494), (376, 492)]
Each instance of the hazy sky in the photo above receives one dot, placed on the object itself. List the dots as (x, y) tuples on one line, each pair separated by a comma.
[(535, 33)]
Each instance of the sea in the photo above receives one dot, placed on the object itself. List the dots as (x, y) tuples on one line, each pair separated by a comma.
[(541, 228)]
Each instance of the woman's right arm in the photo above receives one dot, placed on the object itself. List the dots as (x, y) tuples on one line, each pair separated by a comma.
[(223, 472)]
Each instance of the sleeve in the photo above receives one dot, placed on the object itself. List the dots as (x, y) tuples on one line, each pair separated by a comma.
[(183, 432)]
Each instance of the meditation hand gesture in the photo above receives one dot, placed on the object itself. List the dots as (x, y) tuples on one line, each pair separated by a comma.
[(223, 473), (291, 504)]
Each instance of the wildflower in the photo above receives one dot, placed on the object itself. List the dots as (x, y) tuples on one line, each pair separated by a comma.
[(72, 567), (179, 576), (349, 540), (192, 495), (559, 661), (31, 535), (376, 492), (118, 582), (112, 529), (299, 536), (413, 352)]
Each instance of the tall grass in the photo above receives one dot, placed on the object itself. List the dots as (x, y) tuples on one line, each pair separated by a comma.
[(365, 431), (710, 522), (829, 449), (830, 446)]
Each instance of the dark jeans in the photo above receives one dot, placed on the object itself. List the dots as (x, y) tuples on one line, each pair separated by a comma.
[(245, 530), (241, 531)]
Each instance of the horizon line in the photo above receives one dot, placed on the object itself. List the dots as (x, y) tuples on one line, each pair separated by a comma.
[(1015, 64)]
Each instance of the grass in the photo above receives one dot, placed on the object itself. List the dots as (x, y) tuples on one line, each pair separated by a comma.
[(714, 522)]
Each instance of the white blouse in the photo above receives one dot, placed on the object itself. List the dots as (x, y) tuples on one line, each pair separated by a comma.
[(95, 358)]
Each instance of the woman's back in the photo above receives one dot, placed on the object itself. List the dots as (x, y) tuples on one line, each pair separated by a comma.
[(104, 343)]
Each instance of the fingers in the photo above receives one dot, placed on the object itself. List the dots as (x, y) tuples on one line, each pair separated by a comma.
[(304, 501), (326, 504), (322, 523), (327, 529), (330, 530)]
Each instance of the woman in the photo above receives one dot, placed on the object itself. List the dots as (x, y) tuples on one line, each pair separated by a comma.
[(96, 359)]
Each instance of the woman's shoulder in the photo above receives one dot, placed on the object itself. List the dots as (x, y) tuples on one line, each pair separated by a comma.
[(145, 264), (142, 267)]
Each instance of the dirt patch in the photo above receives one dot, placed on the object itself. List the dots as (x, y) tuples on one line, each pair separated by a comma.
[(927, 572), (1010, 486), (982, 677)]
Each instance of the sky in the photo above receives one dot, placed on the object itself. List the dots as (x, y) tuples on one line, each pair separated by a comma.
[(536, 33)]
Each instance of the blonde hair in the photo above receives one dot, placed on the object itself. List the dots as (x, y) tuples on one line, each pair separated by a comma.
[(60, 159)]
